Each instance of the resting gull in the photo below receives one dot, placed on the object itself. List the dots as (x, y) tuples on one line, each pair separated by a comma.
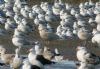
[(83, 55)]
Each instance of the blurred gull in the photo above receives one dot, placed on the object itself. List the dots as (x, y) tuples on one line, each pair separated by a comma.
[(98, 27), (27, 64), (49, 16), (92, 23), (6, 58), (47, 53), (83, 55), (97, 18), (46, 34), (10, 24), (21, 41), (86, 66), (17, 60), (25, 26), (96, 39), (84, 35), (58, 56), (37, 60)]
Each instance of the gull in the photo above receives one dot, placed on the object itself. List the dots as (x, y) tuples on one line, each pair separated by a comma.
[(81, 22), (9, 5), (69, 33), (37, 21), (38, 9), (96, 39), (2, 4), (97, 6), (28, 65), (38, 58), (63, 14), (97, 18), (17, 60), (92, 23), (68, 6), (2, 20), (16, 9), (98, 27), (32, 59), (45, 34), (10, 13), (56, 8), (73, 11), (49, 16), (31, 15), (37, 48), (20, 4), (95, 31), (84, 35), (25, 27), (1, 48), (47, 53), (18, 18), (50, 29), (91, 3), (83, 12), (83, 55), (81, 5), (75, 32), (10, 25), (21, 41), (57, 55), (24, 12), (27, 8), (41, 17), (86, 66), (6, 58)]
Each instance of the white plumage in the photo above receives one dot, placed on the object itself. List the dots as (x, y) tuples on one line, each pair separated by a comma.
[(83, 55), (96, 39), (86, 66), (26, 65), (17, 61), (32, 58)]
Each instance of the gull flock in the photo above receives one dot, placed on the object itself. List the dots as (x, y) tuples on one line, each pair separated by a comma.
[(18, 18)]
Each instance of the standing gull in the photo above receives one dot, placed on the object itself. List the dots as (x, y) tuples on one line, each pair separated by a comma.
[(17, 61), (6, 58), (83, 55)]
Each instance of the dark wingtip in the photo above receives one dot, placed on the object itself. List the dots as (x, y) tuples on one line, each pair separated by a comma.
[(2, 64), (7, 16), (54, 62), (77, 64)]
